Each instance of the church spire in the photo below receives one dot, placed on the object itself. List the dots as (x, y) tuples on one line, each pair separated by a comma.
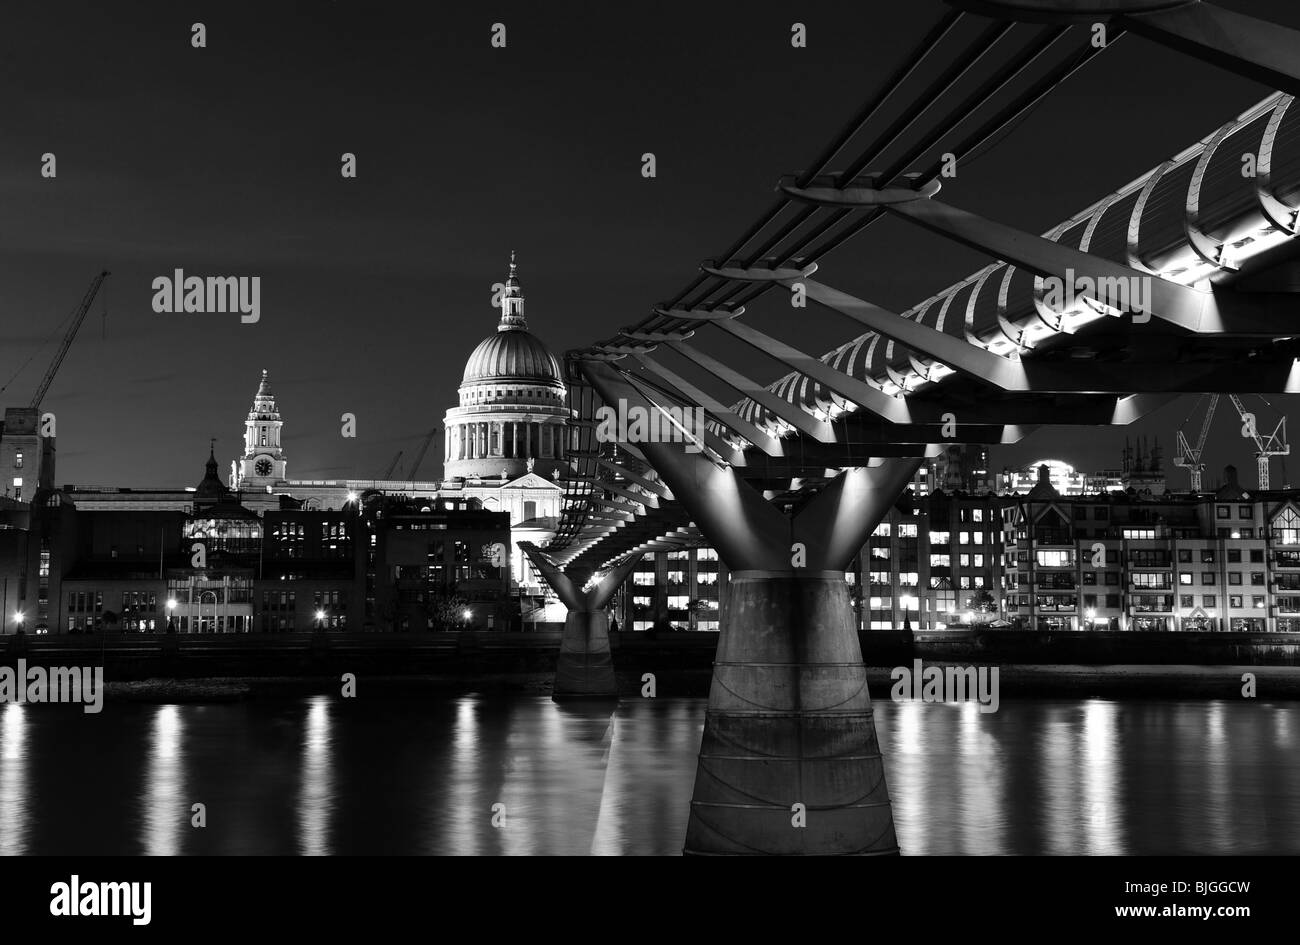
[(512, 301)]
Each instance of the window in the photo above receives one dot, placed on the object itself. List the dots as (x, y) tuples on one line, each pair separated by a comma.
[(977, 515), (1207, 577), (1138, 533), (940, 538), (1184, 555), (1234, 556), (1080, 511), (1208, 600), (1222, 511), (1112, 600), (1112, 577), (1056, 559), (1257, 554), (18, 459), (1186, 600), (1234, 600), (1101, 513), (1112, 556), (1256, 578), (1257, 602), (1207, 556), (1243, 511), (940, 561), (1234, 577), (1089, 577), (1090, 600), (1286, 527), (1184, 577), (907, 530), (882, 531)]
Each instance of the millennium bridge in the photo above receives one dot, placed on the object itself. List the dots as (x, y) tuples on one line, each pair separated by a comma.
[(1180, 281)]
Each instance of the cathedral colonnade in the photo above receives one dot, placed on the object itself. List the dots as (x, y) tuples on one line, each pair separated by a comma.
[(506, 439)]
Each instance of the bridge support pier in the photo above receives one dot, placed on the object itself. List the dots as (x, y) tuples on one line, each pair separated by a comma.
[(585, 666), (789, 762)]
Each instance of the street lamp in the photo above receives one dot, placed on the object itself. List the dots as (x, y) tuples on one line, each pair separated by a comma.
[(1091, 615), (19, 617), (467, 614), (320, 618), (171, 614)]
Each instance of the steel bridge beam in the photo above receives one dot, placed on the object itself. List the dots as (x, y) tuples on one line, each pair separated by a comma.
[(722, 413), (1194, 310)]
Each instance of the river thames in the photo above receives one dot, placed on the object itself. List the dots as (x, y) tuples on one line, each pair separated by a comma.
[(521, 775)]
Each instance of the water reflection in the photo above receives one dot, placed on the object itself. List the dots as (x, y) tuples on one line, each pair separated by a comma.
[(421, 775), (316, 783), (15, 813), (165, 811)]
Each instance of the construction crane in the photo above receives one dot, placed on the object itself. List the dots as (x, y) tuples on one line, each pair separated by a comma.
[(424, 448), (80, 317), (1274, 444), (388, 473), (1189, 457)]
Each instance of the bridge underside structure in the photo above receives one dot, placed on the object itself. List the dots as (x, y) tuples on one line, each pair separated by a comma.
[(1182, 281)]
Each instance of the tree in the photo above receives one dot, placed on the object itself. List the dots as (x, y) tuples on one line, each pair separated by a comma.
[(446, 608), (982, 602)]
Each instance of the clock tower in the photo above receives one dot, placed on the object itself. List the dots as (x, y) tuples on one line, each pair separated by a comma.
[(263, 461)]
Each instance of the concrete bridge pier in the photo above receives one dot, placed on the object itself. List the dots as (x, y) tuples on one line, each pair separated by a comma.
[(585, 667), (789, 762)]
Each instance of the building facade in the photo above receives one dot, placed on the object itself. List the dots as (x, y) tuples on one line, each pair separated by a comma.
[(386, 563)]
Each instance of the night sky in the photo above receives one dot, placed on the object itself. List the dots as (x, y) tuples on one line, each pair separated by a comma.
[(225, 161)]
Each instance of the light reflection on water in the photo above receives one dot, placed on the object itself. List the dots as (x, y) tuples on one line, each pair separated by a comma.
[(423, 775)]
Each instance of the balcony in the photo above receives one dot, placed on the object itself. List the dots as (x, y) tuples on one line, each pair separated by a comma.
[(1152, 604)]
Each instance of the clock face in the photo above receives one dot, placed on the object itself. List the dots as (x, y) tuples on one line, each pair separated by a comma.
[(263, 467)]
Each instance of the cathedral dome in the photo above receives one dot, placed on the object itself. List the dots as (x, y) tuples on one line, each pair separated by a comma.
[(512, 419), (512, 354)]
